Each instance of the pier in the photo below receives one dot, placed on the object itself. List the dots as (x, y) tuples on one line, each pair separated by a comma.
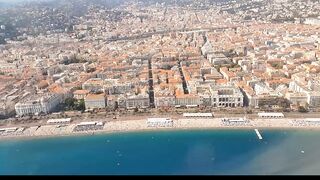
[(258, 134)]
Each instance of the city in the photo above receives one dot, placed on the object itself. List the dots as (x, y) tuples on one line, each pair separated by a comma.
[(84, 67), (156, 57)]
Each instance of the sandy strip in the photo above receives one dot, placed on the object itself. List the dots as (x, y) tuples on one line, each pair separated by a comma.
[(140, 125)]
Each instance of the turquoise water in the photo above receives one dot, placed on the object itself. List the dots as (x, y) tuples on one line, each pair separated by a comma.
[(171, 152)]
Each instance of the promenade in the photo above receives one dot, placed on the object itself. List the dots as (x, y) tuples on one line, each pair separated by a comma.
[(141, 125)]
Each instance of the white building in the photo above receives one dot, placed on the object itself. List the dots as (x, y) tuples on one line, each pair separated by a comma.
[(164, 100), (206, 48), (262, 88), (112, 86), (226, 96), (93, 84), (138, 101), (36, 105), (313, 97), (95, 101), (218, 59), (188, 100), (312, 21)]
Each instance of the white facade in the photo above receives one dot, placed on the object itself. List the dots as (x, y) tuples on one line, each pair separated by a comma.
[(164, 101), (94, 101), (93, 84), (313, 97), (226, 96), (37, 105), (138, 101), (188, 100)]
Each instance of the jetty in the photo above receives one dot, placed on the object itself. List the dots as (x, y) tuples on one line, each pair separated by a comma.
[(258, 134)]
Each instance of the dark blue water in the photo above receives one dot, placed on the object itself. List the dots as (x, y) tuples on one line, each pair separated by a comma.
[(172, 152)]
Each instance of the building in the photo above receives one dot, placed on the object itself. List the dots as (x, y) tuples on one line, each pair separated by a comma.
[(297, 99), (93, 85), (80, 94), (137, 101), (95, 101), (164, 100), (226, 96), (188, 100), (38, 104), (269, 101), (218, 59), (312, 21), (313, 99), (112, 101), (112, 86), (261, 88), (206, 49)]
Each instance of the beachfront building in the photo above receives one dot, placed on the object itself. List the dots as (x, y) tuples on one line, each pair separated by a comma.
[(95, 101), (271, 115), (313, 95), (268, 101), (137, 101), (226, 96), (35, 105), (164, 100), (313, 99), (187, 100), (159, 122)]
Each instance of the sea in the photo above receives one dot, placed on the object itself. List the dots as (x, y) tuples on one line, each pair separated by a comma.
[(184, 152)]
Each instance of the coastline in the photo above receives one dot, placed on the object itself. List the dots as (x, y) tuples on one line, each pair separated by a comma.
[(113, 127)]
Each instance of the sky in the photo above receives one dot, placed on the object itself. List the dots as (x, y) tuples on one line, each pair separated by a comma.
[(13, 1)]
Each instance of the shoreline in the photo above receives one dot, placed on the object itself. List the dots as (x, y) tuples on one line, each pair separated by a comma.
[(114, 127)]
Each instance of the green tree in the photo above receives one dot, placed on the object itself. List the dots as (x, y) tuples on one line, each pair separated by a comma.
[(70, 103), (80, 105), (302, 109)]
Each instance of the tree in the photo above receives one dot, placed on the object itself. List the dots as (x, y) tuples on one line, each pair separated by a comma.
[(70, 103), (302, 109), (80, 105)]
